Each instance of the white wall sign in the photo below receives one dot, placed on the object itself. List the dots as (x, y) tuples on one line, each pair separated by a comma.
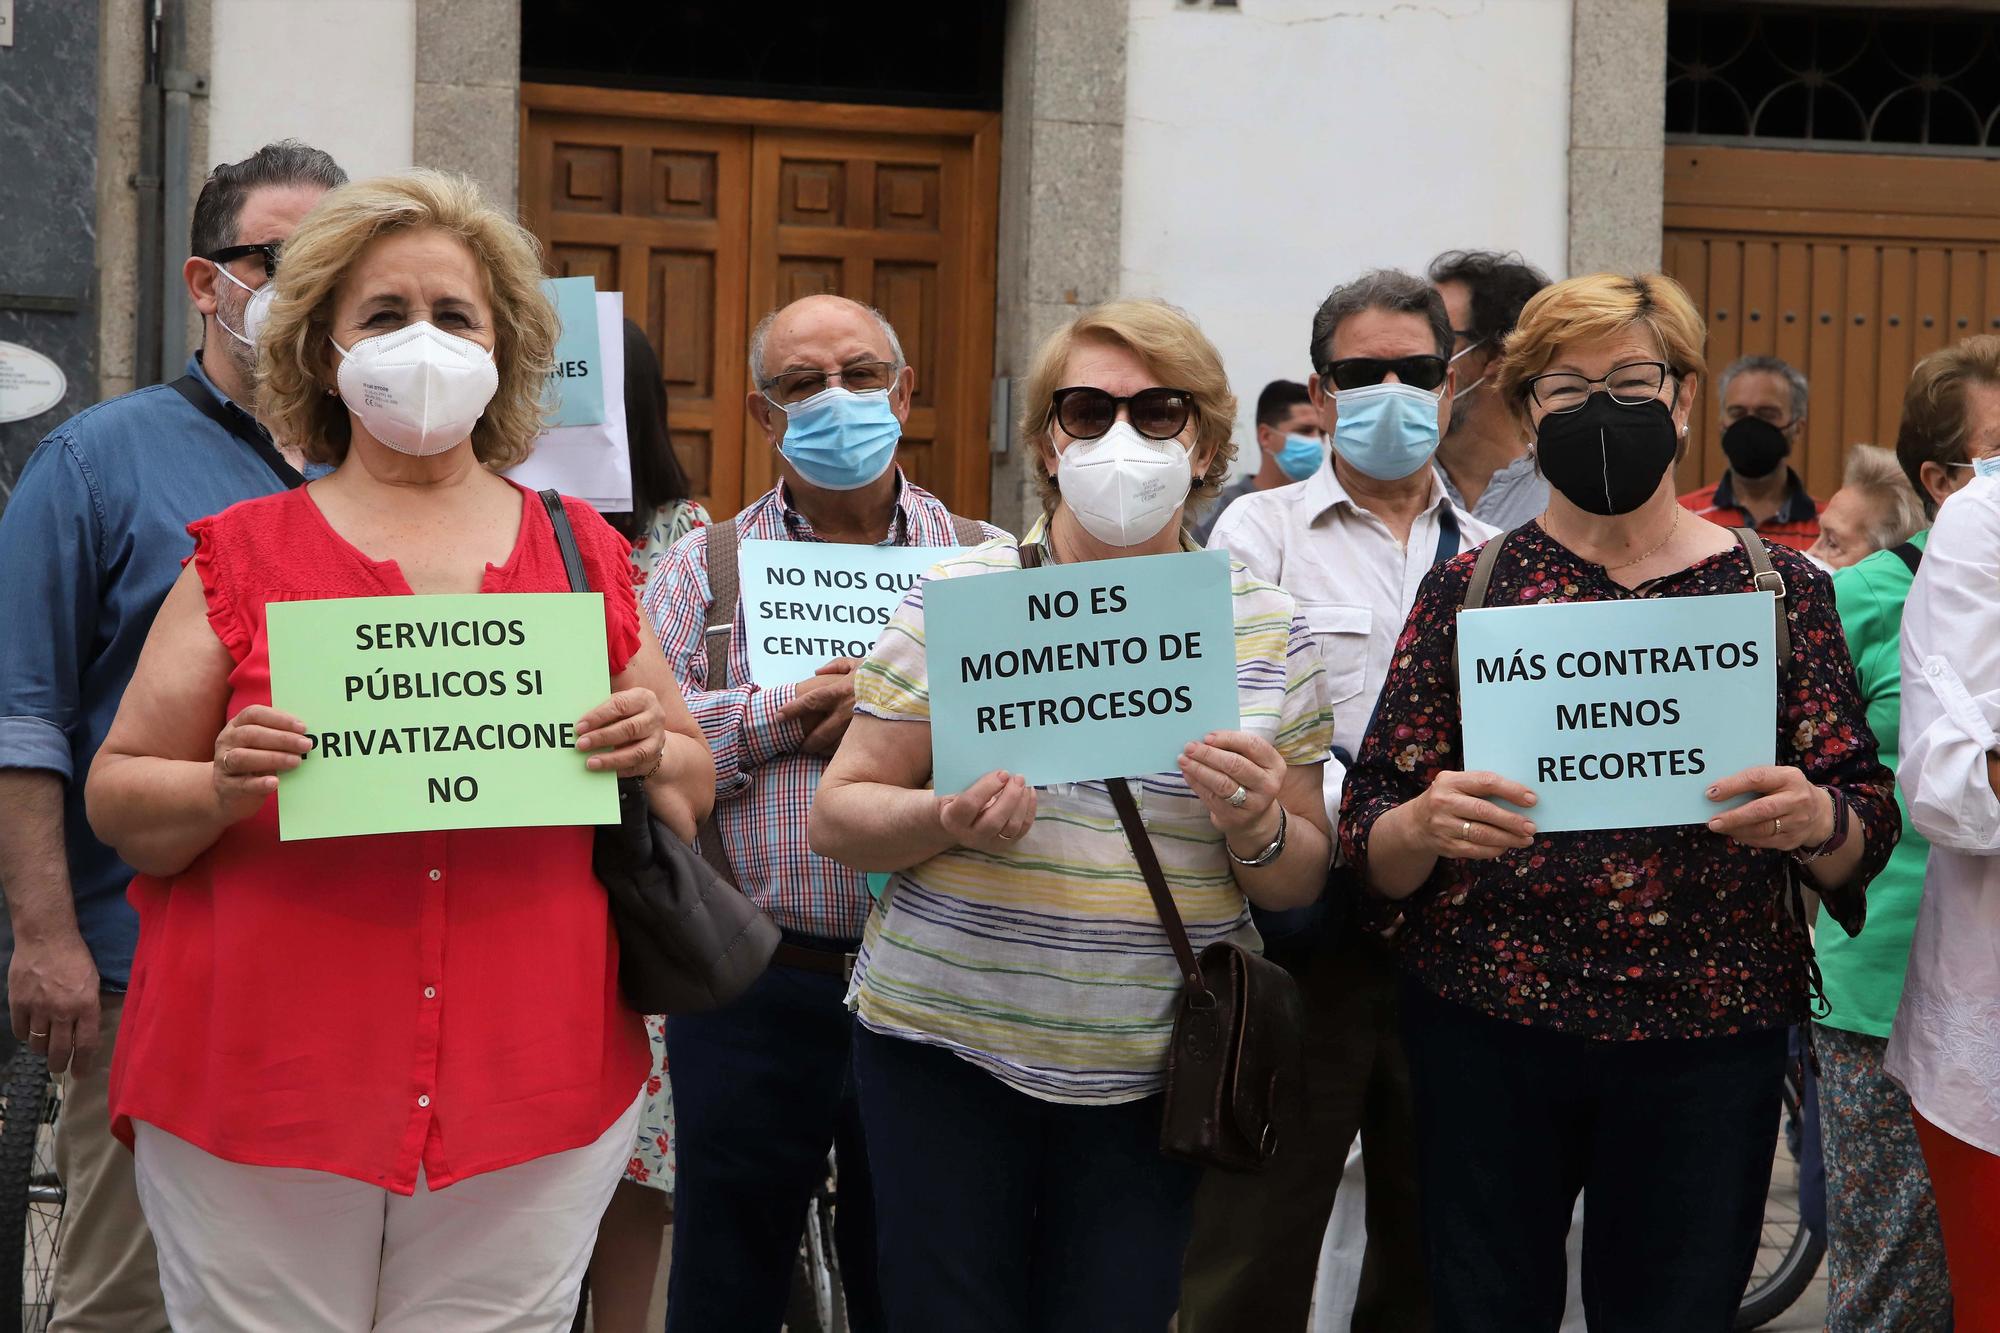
[(30, 383), (6, 22)]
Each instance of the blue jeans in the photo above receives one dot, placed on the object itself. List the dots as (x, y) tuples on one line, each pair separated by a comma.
[(1001, 1213), (762, 1088), (1669, 1141)]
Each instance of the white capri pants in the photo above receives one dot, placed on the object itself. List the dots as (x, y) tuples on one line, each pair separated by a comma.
[(258, 1247)]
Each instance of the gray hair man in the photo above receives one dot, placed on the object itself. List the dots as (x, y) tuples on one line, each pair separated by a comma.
[(92, 539), (1763, 416), (761, 1087), (1351, 544)]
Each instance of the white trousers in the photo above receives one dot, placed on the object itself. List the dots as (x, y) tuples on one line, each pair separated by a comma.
[(249, 1248)]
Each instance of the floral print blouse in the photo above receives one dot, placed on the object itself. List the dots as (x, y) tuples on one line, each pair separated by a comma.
[(1619, 934)]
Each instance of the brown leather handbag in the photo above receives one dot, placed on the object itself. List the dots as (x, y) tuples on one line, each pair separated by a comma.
[(1236, 1063)]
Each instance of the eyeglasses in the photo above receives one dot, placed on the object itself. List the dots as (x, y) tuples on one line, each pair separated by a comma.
[(1631, 383), (1085, 412), (229, 253), (1358, 372), (795, 386)]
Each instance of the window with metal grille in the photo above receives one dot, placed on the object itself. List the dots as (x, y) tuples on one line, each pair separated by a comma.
[(1837, 77)]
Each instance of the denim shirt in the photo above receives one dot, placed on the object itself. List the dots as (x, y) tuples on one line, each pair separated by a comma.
[(92, 539)]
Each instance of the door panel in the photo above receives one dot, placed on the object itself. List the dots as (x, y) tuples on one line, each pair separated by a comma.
[(1851, 267), (710, 212)]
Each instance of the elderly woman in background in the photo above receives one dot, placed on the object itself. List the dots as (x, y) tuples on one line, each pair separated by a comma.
[(1875, 509), (1015, 989), (1606, 1011), (322, 1036)]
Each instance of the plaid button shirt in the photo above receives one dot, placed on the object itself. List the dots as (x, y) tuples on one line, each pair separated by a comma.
[(763, 784)]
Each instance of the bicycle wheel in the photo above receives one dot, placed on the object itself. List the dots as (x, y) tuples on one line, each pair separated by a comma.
[(1789, 1252)]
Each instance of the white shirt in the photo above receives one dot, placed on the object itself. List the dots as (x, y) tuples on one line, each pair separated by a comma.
[(1353, 581), (1945, 1047)]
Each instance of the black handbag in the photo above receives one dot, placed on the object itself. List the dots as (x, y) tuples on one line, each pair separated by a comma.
[(687, 939)]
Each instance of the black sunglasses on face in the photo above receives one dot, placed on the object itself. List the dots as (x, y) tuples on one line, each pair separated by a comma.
[(1085, 412), (229, 253), (1358, 372)]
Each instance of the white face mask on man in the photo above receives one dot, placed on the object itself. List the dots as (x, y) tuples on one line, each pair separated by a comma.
[(419, 390), (1122, 487), (255, 308)]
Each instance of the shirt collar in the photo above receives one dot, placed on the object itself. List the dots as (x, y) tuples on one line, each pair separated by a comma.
[(902, 519), (1796, 507), (1324, 492)]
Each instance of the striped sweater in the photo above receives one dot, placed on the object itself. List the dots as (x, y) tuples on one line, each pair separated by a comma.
[(1047, 966)]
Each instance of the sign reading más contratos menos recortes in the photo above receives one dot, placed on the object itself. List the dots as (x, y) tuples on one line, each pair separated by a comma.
[(1619, 714)]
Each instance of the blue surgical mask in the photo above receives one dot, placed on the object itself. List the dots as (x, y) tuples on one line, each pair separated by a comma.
[(1301, 456), (840, 440), (1988, 466), (1386, 431)]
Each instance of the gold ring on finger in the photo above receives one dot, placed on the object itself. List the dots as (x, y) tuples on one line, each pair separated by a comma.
[(1777, 826), (1465, 830), (222, 764)]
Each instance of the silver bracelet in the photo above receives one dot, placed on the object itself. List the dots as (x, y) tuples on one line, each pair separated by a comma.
[(1269, 854)]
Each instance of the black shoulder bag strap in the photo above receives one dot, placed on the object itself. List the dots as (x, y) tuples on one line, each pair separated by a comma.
[(1450, 543), (1156, 883), (202, 401), (1910, 554)]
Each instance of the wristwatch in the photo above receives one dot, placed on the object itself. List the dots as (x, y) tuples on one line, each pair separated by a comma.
[(1269, 854), (1835, 840)]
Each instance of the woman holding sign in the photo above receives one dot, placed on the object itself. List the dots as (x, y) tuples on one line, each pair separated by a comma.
[(322, 1036), (1606, 1010), (1015, 987)]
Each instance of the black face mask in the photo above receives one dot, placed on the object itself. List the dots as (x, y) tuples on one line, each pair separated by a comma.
[(1607, 457), (1754, 447)]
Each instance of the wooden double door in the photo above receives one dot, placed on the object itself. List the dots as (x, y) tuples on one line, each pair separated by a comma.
[(1850, 266), (707, 213)]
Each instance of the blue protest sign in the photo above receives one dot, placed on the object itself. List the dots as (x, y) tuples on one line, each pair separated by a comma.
[(1620, 714), (575, 394), (805, 603), (1068, 673)]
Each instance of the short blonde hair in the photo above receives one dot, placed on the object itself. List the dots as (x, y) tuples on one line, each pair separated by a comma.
[(1177, 353), (295, 355), (1874, 472), (1600, 305)]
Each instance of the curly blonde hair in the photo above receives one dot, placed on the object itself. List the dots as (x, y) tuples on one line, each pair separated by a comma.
[(1177, 353), (295, 356), (1600, 305)]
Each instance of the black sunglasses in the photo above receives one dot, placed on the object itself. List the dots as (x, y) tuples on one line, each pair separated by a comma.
[(1085, 412), (1358, 372), (232, 252)]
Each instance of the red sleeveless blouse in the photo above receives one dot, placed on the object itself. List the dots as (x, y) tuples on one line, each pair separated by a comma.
[(368, 1005)]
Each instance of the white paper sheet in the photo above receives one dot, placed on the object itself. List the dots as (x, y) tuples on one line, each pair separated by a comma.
[(593, 463)]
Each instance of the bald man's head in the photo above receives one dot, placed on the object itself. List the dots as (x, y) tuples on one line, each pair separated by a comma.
[(814, 320)]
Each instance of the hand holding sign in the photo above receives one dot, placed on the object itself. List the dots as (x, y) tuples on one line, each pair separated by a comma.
[(634, 725), (1791, 811), (258, 744), (991, 813), (1224, 761), (825, 702), (1454, 819)]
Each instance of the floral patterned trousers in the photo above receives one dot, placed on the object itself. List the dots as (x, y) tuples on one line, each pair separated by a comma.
[(1885, 1251)]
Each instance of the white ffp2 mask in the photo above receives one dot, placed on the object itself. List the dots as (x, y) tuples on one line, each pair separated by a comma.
[(418, 390), (1122, 486)]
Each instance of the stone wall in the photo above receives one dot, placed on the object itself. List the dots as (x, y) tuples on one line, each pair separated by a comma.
[(468, 91), (1617, 122)]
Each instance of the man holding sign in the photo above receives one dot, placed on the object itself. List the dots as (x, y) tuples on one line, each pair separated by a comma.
[(762, 1087), (1598, 995), (1016, 988)]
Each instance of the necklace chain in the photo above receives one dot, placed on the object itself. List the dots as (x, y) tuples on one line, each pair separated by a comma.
[(1658, 546)]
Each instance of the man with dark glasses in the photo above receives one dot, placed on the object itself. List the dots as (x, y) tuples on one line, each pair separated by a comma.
[(1350, 544), (92, 538)]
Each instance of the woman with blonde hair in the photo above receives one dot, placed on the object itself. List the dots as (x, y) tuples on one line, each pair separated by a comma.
[(1015, 987), (322, 1036), (1605, 1012)]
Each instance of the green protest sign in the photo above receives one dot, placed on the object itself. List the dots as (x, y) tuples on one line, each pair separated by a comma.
[(1069, 673), (440, 712)]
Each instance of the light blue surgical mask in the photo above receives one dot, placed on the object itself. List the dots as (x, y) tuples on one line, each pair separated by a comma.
[(840, 440), (1301, 456), (1988, 466), (1386, 431)]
